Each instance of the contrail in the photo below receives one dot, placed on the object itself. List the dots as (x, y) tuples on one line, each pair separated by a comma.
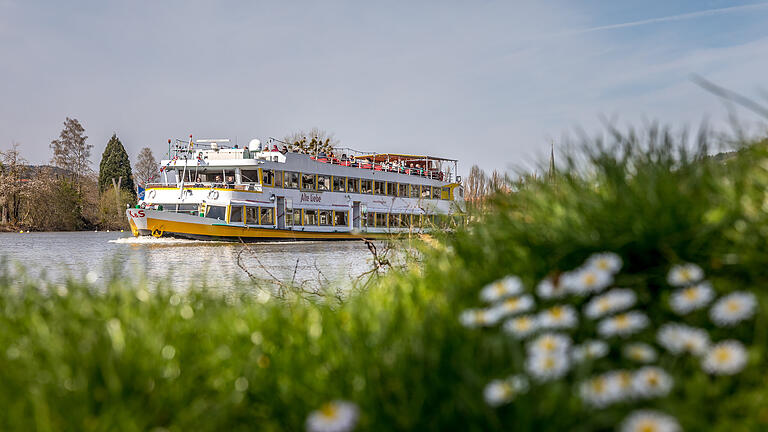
[(680, 17)]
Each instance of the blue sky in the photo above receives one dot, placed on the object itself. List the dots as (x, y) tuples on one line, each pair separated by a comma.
[(484, 82)]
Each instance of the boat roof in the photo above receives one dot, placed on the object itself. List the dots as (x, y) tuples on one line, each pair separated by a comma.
[(384, 157)]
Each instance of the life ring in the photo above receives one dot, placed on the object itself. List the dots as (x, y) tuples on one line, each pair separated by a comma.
[(213, 194), (157, 233), (151, 194)]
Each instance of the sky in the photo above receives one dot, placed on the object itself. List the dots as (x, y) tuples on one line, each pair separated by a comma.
[(492, 83)]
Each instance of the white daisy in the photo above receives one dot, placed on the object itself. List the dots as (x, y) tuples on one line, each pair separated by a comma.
[(549, 344), (623, 324), (649, 421), (622, 381), (513, 306), (558, 317), (551, 288), (725, 358), (680, 338), (501, 391), (546, 367), (651, 381), (684, 274), (733, 308), (590, 350), (686, 300), (587, 280), (336, 416), (479, 318), (521, 326), (599, 391), (640, 352), (502, 288), (606, 261), (612, 301)]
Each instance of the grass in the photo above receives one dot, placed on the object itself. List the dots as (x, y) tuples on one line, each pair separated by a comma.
[(137, 356)]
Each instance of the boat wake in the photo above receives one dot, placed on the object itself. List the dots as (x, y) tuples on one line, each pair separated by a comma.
[(162, 241)]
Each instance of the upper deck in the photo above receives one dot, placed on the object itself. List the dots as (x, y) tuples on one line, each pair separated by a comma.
[(196, 161)]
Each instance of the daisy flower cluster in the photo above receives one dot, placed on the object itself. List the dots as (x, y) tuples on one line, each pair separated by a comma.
[(335, 416), (586, 299)]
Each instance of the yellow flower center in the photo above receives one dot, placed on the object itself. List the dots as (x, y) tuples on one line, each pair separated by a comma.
[(602, 264), (548, 344), (590, 279), (512, 303), (522, 324), (549, 363), (722, 355), (329, 410), (685, 274), (652, 380), (498, 288), (557, 312), (480, 316), (622, 321), (647, 426), (691, 293), (598, 385), (733, 305), (603, 304)]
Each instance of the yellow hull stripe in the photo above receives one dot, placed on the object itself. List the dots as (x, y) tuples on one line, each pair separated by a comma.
[(165, 226)]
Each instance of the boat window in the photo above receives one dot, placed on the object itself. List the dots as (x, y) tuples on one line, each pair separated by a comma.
[(339, 184), (229, 176), (310, 217), (266, 216), (381, 219), (268, 177), (323, 183), (252, 215), (278, 179), (415, 191), (392, 189), (370, 219), (353, 185), (366, 186), (324, 217), (379, 187), (188, 209), (291, 180), (435, 192), (446, 193), (402, 190), (425, 191), (395, 220), (340, 218), (216, 212), (248, 176), (307, 182), (235, 214)]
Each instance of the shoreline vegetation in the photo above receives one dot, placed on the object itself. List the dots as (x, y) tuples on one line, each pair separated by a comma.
[(554, 309)]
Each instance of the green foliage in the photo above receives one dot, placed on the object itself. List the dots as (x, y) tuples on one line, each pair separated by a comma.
[(115, 165), (128, 355)]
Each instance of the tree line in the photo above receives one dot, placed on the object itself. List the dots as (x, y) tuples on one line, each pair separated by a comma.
[(67, 194)]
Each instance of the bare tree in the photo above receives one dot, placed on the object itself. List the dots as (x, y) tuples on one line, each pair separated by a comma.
[(71, 151), (146, 167), (312, 142), (476, 184), (12, 167)]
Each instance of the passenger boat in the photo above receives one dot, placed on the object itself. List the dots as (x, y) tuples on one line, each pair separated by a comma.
[(213, 190)]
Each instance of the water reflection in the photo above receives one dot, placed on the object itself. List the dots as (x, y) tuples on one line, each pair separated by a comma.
[(181, 262)]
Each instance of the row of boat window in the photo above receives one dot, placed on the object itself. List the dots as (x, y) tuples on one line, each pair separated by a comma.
[(321, 183), (251, 215)]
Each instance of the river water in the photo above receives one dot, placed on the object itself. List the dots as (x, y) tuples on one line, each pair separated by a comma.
[(96, 255)]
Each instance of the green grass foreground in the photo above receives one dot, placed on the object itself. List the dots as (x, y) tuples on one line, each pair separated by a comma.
[(131, 356)]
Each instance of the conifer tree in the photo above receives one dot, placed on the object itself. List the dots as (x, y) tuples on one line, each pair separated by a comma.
[(114, 165)]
